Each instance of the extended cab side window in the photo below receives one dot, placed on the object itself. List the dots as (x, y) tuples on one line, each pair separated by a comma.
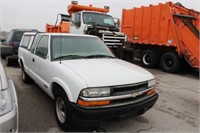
[(25, 41), (35, 42), (42, 48), (78, 19)]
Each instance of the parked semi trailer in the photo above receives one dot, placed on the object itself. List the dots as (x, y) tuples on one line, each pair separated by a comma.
[(165, 34), (92, 21)]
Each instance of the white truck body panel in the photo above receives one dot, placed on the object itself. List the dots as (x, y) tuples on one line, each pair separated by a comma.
[(107, 72), (76, 75)]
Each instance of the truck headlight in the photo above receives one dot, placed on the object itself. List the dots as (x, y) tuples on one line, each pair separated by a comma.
[(96, 92), (5, 102), (151, 83)]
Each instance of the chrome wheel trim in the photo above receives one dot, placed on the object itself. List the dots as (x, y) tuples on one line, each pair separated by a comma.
[(60, 110)]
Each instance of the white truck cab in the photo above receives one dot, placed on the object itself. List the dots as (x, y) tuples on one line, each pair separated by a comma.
[(89, 20), (98, 24), (87, 82)]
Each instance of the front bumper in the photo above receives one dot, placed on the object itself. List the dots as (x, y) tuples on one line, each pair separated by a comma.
[(91, 117), (9, 121)]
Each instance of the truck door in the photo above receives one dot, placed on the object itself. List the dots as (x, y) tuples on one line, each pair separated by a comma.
[(77, 27), (42, 61), (32, 66), (38, 50)]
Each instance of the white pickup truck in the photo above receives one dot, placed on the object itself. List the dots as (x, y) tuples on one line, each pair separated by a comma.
[(87, 82)]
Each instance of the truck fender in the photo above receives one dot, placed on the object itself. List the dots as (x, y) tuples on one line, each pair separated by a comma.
[(63, 85), (20, 61)]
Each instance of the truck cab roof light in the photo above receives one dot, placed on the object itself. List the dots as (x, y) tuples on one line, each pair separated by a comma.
[(74, 2), (106, 7)]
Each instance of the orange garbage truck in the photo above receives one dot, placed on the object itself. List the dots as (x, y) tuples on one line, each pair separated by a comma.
[(164, 34), (92, 21)]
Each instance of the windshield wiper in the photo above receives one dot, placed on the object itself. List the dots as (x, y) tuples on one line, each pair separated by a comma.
[(81, 57), (69, 57), (99, 56)]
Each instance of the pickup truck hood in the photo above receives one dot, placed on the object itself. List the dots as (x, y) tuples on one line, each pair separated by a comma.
[(107, 72)]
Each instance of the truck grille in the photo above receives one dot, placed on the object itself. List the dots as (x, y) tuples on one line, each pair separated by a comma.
[(111, 39), (129, 89), (122, 90)]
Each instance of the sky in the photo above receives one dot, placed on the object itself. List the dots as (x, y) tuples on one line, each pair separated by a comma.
[(34, 14)]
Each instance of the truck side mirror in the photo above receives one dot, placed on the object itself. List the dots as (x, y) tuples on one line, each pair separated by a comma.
[(117, 22)]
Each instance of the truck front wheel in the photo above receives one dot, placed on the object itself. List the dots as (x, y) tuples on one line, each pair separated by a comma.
[(149, 58), (62, 110), (170, 62)]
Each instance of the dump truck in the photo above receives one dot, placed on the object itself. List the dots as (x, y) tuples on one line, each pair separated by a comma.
[(90, 20), (164, 34)]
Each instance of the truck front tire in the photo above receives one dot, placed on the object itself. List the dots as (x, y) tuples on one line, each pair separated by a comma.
[(62, 111), (170, 62), (149, 58)]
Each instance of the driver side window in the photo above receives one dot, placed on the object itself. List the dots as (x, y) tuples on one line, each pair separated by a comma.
[(42, 48), (78, 19)]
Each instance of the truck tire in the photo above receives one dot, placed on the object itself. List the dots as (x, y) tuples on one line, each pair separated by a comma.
[(170, 62), (8, 61), (25, 78), (62, 111), (149, 58)]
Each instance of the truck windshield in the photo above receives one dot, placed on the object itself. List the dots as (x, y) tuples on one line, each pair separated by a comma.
[(76, 47), (98, 19)]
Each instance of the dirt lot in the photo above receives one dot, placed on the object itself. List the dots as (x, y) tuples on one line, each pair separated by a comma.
[(177, 109)]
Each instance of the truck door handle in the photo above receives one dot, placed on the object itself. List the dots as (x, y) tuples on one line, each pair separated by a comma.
[(33, 60)]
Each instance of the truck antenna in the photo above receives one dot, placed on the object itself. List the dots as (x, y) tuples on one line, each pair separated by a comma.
[(60, 49)]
